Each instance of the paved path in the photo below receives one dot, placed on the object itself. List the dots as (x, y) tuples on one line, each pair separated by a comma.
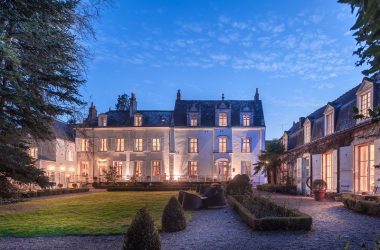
[(223, 229)]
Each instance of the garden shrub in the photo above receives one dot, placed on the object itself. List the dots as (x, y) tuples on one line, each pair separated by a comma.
[(361, 205), (240, 184), (262, 214), (142, 234), (277, 188), (173, 217)]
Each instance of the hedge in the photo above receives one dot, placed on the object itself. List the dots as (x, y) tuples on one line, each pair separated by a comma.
[(277, 188), (362, 205), (148, 188), (48, 192), (297, 220)]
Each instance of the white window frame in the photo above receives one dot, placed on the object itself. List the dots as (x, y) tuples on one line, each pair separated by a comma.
[(156, 144), (328, 169), (138, 145), (246, 120), (84, 144), (329, 123), (120, 145), (223, 119), (156, 164), (193, 168), (246, 145), (363, 108), (103, 145), (193, 145), (368, 162), (222, 144)]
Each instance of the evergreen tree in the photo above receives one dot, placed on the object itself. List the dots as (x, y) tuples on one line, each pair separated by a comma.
[(41, 63), (122, 102)]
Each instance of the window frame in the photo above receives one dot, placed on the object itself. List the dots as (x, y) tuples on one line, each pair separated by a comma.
[(193, 145), (246, 120), (244, 143), (222, 144), (154, 168), (156, 144), (138, 145), (137, 120), (223, 119), (120, 144), (193, 168), (103, 144)]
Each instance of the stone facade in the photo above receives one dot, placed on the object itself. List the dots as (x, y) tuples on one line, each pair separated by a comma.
[(198, 141), (330, 144)]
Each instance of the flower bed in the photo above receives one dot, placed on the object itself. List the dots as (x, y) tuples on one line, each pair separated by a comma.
[(48, 192), (262, 214), (362, 204), (276, 188)]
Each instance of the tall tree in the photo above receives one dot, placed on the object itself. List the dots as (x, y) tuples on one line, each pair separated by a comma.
[(122, 102), (270, 161), (41, 69), (367, 33)]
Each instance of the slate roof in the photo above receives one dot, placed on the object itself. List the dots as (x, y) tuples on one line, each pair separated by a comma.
[(207, 109), (343, 111), (63, 130), (151, 118)]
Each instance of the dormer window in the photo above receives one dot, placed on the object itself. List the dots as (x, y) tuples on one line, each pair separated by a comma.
[(246, 120), (193, 122), (329, 122), (307, 131), (365, 103), (33, 153), (102, 120), (223, 119), (138, 120)]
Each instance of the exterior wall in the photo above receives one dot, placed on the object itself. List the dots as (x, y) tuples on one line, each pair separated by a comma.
[(54, 159), (98, 160), (204, 155), (346, 161)]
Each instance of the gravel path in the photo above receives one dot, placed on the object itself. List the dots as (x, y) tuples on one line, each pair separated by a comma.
[(223, 229)]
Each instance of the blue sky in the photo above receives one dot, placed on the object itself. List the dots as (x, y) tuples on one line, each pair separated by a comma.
[(298, 53)]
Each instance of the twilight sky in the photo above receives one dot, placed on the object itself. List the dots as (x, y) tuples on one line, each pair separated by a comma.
[(298, 53)]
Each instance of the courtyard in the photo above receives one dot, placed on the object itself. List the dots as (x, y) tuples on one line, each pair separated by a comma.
[(333, 225)]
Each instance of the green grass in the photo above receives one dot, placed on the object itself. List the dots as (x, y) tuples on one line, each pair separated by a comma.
[(86, 214)]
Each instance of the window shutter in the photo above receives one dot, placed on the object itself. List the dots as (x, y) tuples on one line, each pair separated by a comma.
[(77, 144)]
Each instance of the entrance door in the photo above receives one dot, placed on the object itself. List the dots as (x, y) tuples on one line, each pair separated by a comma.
[(305, 175), (223, 170), (364, 168)]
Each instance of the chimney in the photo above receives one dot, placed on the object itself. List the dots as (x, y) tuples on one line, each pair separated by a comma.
[(178, 95), (92, 113), (132, 104), (223, 97), (257, 97)]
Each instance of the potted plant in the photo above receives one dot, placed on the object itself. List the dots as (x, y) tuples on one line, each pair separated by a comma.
[(319, 189)]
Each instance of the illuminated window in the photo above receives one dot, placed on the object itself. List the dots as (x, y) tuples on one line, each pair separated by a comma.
[(103, 167), (365, 104), (246, 120), (156, 144), (364, 168), (84, 168), (193, 122), (51, 176), (103, 144), (327, 170), (329, 124), (156, 168), (138, 168), (138, 147), (69, 155), (33, 153), (222, 144), (246, 167), (223, 119), (138, 120), (84, 144), (193, 168), (193, 145), (120, 144), (246, 145), (103, 121), (118, 165)]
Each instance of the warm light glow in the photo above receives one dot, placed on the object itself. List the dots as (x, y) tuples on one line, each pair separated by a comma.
[(71, 169), (63, 168), (68, 175), (51, 167)]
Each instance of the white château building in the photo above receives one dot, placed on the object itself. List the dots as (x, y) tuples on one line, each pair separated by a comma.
[(198, 141)]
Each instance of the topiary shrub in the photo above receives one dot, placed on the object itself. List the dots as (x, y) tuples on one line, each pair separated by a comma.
[(142, 234), (173, 217), (240, 184)]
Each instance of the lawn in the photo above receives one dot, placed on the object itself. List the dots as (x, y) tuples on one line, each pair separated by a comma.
[(85, 214)]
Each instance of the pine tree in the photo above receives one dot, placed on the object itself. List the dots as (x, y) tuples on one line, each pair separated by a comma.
[(173, 217), (122, 102), (41, 65)]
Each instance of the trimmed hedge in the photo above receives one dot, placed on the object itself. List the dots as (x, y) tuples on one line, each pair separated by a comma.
[(173, 217), (48, 192), (294, 221), (370, 207), (277, 188), (148, 188), (240, 184)]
